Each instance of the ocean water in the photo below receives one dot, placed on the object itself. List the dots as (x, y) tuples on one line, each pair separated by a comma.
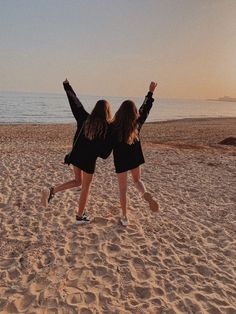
[(18, 107)]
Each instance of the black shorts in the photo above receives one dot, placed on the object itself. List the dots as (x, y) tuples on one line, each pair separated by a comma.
[(127, 157), (87, 165), (120, 167)]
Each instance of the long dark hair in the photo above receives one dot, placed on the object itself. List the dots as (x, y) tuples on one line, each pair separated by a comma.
[(96, 123), (125, 122)]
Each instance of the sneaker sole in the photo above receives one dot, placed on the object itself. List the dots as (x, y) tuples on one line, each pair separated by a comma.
[(154, 207), (88, 217), (44, 198), (82, 222)]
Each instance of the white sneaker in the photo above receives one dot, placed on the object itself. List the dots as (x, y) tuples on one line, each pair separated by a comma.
[(124, 221), (153, 205), (82, 220)]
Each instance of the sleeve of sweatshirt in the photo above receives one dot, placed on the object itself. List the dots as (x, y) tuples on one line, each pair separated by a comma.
[(145, 109), (76, 106)]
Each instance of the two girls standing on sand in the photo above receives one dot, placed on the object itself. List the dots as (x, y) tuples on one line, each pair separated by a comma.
[(95, 137)]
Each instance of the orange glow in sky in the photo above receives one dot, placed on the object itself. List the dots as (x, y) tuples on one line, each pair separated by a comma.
[(116, 47)]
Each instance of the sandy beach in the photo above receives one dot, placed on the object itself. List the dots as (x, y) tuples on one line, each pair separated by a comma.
[(181, 260)]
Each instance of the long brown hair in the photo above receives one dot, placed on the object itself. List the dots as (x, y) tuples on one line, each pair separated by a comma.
[(96, 123), (125, 122)]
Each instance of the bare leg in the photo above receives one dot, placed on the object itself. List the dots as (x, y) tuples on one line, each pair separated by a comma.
[(86, 184), (153, 204), (70, 184), (47, 194), (122, 180), (136, 174)]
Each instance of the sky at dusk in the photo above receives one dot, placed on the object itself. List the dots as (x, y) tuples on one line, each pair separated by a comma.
[(116, 48)]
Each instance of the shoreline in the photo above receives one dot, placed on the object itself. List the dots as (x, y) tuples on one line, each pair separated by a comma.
[(149, 122), (206, 132)]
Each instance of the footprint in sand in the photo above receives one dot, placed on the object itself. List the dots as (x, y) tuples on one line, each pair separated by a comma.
[(186, 288), (10, 308), (73, 246), (142, 292), (75, 298), (93, 236), (3, 302), (2, 205), (47, 258), (74, 273), (100, 221), (138, 269), (100, 271), (203, 270), (171, 297), (192, 307), (89, 297), (158, 291), (6, 263), (23, 303), (112, 248), (84, 310), (200, 297), (168, 262), (39, 285), (13, 274), (71, 259), (61, 251), (50, 303), (109, 278)]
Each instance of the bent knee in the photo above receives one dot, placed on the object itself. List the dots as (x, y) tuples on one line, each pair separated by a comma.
[(77, 182), (137, 181)]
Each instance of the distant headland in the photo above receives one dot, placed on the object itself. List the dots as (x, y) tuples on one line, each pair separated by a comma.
[(225, 98)]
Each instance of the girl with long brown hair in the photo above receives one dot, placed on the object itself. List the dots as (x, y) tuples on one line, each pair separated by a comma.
[(92, 140), (127, 150)]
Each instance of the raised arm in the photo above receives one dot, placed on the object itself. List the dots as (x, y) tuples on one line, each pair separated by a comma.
[(146, 106), (77, 108)]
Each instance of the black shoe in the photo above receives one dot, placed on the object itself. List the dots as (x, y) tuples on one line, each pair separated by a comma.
[(86, 215), (51, 194), (47, 195), (82, 220)]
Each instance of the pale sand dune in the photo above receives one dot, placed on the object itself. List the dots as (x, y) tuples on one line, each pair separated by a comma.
[(181, 260)]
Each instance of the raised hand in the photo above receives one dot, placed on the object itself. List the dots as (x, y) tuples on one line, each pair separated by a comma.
[(152, 86), (66, 81)]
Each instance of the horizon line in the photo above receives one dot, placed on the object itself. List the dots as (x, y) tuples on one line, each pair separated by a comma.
[(116, 96)]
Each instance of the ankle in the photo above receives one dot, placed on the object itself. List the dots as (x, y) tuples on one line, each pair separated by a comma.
[(147, 196)]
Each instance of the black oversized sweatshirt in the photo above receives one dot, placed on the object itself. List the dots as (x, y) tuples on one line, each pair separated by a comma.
[(85, 151), (130, 156)]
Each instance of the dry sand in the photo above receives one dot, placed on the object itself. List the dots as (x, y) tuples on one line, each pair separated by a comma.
[(181, 260)]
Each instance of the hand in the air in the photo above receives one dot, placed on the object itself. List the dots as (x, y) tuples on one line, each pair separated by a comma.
[(152, 86), (66, 81)]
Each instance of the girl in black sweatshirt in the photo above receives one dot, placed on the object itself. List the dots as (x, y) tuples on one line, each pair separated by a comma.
[(93, 139), (127, 150)]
